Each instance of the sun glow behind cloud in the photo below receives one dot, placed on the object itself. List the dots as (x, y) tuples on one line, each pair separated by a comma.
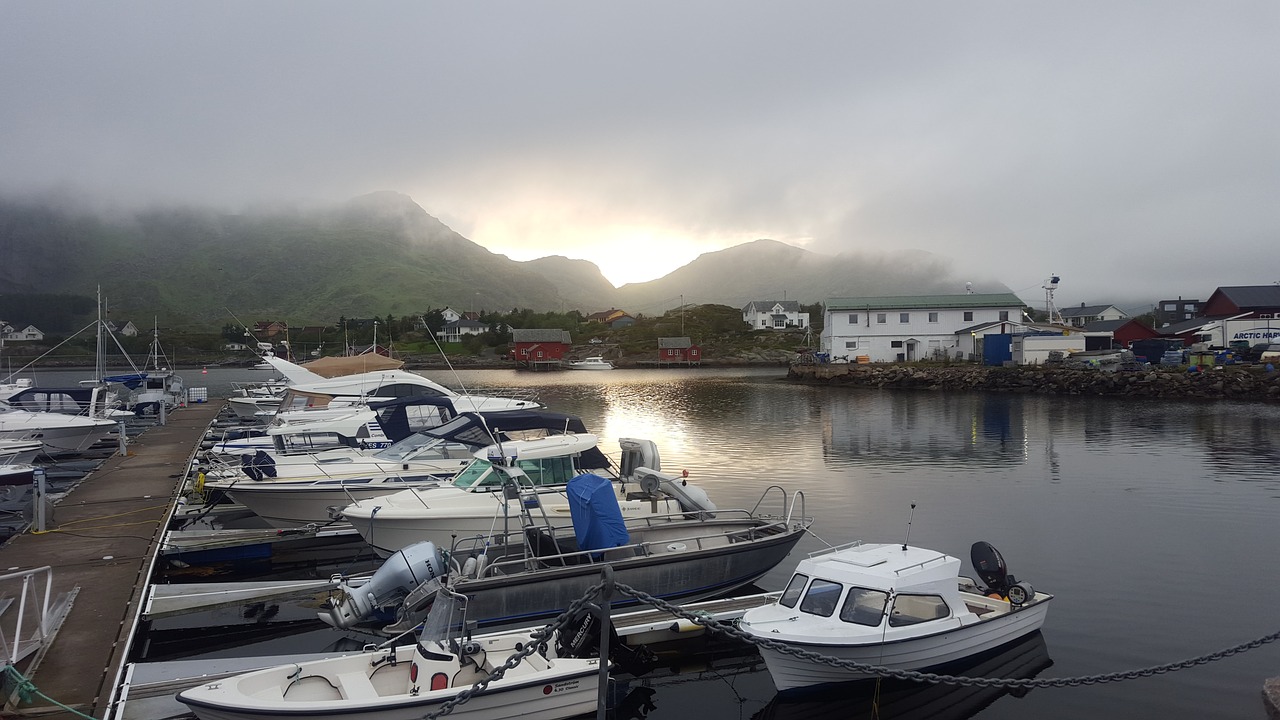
[(625, 253)]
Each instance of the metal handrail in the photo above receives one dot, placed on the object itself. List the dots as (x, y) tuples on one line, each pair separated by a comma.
[(13, 653)]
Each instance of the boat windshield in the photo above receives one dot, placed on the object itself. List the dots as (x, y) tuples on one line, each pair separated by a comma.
[(423, 447), (864, 606), (546, 471), (446, 619), (821, 598), (792, 594)]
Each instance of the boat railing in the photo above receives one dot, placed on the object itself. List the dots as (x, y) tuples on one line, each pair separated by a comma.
[(788, 505), (21, 634), (920, 564), (834, 548), (530, 561)]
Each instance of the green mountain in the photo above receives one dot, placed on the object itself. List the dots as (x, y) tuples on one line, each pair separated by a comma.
[(382, 254)]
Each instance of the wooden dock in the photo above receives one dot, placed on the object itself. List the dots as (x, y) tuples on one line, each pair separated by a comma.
[(102, 539)]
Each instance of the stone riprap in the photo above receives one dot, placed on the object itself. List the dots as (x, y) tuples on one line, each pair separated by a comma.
[(1230, 382)]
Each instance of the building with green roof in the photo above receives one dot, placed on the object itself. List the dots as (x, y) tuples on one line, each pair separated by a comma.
[(904, 328)]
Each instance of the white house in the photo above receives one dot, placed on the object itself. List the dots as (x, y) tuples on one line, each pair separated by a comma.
[(1085, 314), (914, 327), (30, 332), (774, 315), (450, 315), (454, 331)]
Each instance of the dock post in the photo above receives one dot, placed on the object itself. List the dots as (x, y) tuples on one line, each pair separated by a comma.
[(39, 496), (121, 448), (164, 406), (606, 625)]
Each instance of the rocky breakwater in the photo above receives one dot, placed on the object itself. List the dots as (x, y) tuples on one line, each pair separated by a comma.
[(1231, 382)]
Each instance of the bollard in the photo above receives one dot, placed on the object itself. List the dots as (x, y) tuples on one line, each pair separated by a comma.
[(39, 485), (164, 406), (124, 440)]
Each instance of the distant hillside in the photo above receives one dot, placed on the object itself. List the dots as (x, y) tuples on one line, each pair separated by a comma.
[(768, 270), (379, 254)]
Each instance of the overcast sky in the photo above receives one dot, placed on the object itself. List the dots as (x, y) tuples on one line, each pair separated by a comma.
[(1132, 148)]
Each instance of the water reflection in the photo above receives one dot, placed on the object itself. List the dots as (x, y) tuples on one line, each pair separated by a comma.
[(904, 429)]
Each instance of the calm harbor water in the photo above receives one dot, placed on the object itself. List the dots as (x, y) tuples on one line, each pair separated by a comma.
[(1153, 523)]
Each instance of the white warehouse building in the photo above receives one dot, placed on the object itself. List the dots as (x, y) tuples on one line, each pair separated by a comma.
[(914, 327)]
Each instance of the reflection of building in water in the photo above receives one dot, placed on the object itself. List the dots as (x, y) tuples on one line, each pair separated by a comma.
[(899, 428)]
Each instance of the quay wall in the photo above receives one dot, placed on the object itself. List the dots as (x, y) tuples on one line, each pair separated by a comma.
[(1228, 382)]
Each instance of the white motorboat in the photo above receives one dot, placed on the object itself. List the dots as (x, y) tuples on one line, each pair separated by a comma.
[(477, 503), (16, 474), (595, 362), (893, 606), (19, 452), (59, 432), (160, 385), (410, 682), (295, 490)]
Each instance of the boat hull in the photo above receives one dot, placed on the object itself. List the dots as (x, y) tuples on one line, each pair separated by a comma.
[(75, 438), (291, 505), (679, 576), (353, 688), (920, 653)]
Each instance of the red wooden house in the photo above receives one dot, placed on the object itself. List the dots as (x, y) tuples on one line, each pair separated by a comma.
[(538, 346), (678, 350)]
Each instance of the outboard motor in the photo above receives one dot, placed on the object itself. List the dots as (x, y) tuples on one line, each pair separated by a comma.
[(401, 574), (580, 638), (989, 564), (637, 453), (692, 498)]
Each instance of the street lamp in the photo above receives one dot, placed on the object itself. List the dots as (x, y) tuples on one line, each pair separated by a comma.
[(375, 337)]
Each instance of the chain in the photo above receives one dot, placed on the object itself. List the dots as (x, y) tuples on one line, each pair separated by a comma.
[(535, 640), (735, 632)]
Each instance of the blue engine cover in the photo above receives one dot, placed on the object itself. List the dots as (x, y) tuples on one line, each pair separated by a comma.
[(597, 520)]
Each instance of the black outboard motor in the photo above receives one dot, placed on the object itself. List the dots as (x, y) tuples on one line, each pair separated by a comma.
[(989, 564), (580, 638)]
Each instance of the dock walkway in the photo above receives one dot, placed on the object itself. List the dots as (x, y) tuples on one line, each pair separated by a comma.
[(103, 536)]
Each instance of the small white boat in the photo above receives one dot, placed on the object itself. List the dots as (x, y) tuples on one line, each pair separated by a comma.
[(19, 452), (595, 362), (893, 606), (409, 682), (60, 433)]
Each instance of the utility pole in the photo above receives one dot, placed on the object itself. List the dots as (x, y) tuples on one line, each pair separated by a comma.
[(682, 314)]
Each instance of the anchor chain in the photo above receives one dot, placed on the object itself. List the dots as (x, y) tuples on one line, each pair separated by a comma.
[(737, 633), (535, 640)]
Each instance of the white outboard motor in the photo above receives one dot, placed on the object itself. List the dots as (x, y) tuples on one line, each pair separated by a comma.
[(638, 453), (400, 574)]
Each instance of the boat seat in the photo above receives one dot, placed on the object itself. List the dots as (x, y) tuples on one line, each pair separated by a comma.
[(356, 686), (469, 675)]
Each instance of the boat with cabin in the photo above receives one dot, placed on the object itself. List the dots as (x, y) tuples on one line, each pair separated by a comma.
[(479, 500), (595, 362), (893, 606)]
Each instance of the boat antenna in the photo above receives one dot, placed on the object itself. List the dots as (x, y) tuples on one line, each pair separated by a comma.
[(909, 518)]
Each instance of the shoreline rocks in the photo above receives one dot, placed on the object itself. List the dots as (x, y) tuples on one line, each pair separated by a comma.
[(1249, 382)]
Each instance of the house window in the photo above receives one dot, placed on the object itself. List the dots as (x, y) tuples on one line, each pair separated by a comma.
[(896, 344), (780, 322), (1004, 316), (904, 317), (968, 316), (902, 357), (1170, 307), (882, 318), (853, 318), (933, 317), (850, 344)]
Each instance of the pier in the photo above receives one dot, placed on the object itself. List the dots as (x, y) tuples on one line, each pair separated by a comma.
[(101, 544)]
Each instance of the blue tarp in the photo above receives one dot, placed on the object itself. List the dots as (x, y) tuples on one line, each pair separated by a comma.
[(131, 381), (597, 520)]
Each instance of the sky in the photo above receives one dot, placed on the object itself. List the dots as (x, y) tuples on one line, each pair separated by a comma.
[(1132, 148)]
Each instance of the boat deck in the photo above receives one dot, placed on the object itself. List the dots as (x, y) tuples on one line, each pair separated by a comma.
[(104, 535)]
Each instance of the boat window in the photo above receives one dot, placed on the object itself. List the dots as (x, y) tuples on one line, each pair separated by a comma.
[(549, 471), (472, 473), (821, 598), (792, 594), (912, 609), (406, 390), (864, 606)]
